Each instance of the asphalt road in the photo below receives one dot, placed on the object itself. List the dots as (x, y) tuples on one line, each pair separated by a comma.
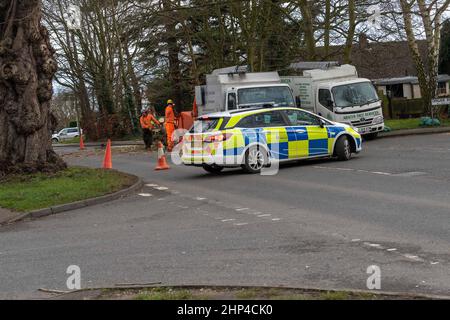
[(314, 224)]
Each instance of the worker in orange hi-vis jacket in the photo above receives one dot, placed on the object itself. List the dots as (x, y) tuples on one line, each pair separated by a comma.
[(148, 122), (170, 124)]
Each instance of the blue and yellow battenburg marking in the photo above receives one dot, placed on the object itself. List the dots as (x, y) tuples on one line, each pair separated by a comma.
[(287, 142), (284, 143)]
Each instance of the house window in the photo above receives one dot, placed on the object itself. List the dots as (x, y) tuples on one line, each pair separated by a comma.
[(442, 88), (396, 90)]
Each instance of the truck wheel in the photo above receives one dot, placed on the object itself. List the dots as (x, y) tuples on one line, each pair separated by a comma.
[(343, 149), (371, 136), (212, 168), (255, 160)]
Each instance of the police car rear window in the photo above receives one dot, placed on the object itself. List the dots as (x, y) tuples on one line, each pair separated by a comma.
[(266, 119), (205, 125)]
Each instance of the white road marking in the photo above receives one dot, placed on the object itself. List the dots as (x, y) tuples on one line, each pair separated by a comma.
[(412, 257), (256, 213), (355, 170), (382, 173), (344, 169), (241, 224), (356, 240), (200, 199), (410, 174), (151, 185), (161, 188), (264, 215), (434, 262), (373, 245), (145, 194), (392, 249), (242, 209), (276, 219), (228, 220)]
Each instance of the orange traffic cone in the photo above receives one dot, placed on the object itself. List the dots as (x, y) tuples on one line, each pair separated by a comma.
[(107, 161), (81, 143), (162, 161)]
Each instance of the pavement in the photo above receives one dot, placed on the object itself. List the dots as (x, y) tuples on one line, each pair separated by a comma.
[(316, 224), (6, 215)]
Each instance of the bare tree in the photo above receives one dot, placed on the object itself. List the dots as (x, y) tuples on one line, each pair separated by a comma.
[(430, 14)]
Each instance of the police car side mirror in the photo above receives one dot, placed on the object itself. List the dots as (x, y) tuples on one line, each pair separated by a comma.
[(322, 123)]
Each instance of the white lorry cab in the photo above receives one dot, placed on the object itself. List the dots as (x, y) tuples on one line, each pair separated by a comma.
[(234, 88), (337, 94)]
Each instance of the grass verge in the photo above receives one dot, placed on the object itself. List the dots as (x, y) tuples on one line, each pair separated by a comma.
[(213, 293), (24, 193), (402, 124)]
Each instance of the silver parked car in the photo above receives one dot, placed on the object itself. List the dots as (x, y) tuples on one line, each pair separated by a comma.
[(65, 134)]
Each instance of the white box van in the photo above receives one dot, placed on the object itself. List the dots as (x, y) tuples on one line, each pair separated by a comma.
[(234, 88), (337, 94)]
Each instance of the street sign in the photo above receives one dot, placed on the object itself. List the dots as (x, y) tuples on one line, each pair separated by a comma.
[(440, 102)]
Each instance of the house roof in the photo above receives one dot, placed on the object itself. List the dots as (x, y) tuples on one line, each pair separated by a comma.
[(410, 80), (375, 60)]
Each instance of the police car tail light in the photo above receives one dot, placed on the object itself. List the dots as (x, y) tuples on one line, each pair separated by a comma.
[(218, 137)]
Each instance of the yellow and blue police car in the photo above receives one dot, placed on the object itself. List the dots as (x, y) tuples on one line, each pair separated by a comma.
[(255, 138)]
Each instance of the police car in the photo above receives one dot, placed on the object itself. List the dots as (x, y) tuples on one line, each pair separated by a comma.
[(255, 138)]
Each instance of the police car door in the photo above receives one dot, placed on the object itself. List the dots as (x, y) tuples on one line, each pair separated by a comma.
[(274, 128), (311, 139)]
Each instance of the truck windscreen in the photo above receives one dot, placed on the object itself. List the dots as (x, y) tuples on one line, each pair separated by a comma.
[(278, 96), (355, 94)]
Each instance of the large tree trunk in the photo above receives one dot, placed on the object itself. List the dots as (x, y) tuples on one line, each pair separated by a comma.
[(308, 28), (173, 51), (27, 68)]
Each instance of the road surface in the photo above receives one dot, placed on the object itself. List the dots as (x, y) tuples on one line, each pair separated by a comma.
[(314, 224)]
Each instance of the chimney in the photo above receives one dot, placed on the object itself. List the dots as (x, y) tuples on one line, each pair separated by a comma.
[(363, 41)]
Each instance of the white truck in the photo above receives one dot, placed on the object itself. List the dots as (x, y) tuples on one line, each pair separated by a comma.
[(234, 88), (337, 94)]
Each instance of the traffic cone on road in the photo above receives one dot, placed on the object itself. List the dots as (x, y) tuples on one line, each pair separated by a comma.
[(81, 143), (162, 161), (107, 161)]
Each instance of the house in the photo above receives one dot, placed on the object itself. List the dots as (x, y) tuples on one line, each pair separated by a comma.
[(408, 87)]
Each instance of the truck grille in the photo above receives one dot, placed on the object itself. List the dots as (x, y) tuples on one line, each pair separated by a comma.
[(360, 123)]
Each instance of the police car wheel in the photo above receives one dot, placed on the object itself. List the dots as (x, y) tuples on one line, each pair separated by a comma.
[(255, 160), (54, 140), (212, 168), (343, 149)]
